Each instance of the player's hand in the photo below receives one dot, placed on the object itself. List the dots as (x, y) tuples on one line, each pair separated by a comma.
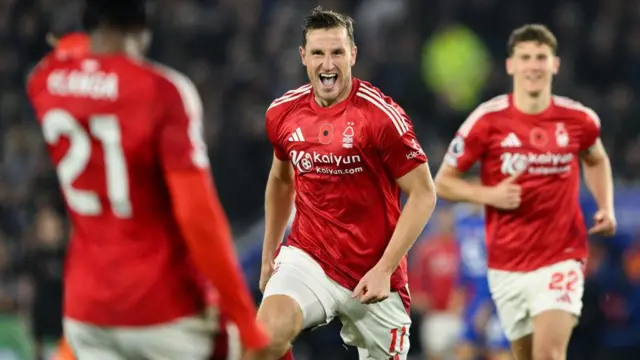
[(604, 223), (507, 194), (373, 287), (265, 274)]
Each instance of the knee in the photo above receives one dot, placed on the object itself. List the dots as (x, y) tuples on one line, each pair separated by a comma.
[(282, 317)]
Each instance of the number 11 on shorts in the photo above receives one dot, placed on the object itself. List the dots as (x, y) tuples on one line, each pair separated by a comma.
[(394, 339)]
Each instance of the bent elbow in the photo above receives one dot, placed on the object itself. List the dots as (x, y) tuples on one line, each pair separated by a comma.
[(431, 201), (441, 185), (428, 197)]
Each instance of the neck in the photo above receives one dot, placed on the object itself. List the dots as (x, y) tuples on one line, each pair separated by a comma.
[(107, 41), (531, 104), (343, 95)]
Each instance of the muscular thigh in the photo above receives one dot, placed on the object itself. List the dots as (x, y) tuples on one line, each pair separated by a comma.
[(186, 338), (510, 294), (380, 331), (298, 276)]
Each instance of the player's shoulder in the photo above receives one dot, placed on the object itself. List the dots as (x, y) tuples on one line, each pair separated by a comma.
[(484, 112), (41, 69), (378, 108), (172, 81), (575, 109), (286, 104), (168, 76), (288, 101), (372, 99)]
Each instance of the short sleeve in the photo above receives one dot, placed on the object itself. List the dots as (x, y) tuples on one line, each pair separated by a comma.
[(272, 133), (181, 137), (591, 130), (469, 144), (396, 141)]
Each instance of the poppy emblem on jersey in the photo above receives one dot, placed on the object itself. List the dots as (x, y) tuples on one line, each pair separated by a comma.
[(325, 135), (538, 137), (562, 136), (347, 136)]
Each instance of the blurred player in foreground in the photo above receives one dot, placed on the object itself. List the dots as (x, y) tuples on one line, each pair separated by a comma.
[(226, 343), (347, 151), (482, 335), (530, 144), (126, 138)]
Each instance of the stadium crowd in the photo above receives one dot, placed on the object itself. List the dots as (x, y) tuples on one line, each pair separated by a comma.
[(243, 53)]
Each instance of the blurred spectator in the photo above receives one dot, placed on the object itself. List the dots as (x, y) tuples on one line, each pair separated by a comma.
[(43, 265), (432, 277)]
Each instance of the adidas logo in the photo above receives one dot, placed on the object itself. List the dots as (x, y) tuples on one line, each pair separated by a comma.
[(511, 141), (296, 136), (564, 298)]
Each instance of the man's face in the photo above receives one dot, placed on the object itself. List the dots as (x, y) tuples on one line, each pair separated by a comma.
[(532, 66), (329, 56)]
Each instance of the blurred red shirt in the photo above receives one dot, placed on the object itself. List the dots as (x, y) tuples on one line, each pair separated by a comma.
[(434, 271)]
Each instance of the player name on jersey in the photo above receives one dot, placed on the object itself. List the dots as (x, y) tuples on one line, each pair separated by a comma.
[(88, 82)]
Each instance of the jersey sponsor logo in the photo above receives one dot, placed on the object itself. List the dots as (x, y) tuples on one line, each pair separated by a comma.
[(325, 163), (87, 82), (511, 141), (539, 164), (417, 150)]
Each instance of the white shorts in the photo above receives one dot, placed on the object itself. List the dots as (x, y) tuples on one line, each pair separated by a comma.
[(440, 333), (379, 331), (519, 296), (186, 338)]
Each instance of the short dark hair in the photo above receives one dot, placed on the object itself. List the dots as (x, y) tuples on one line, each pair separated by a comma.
[(326, 19), (532, 32), (118, 14)]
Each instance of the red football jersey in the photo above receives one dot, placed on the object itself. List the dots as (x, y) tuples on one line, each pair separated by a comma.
[(548, 226), (113, 126), (346, 158)]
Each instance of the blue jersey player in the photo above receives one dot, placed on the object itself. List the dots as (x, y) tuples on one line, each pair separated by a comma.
[(482, 336)]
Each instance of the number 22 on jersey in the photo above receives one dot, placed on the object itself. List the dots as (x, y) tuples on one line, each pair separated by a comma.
[(105, 129)]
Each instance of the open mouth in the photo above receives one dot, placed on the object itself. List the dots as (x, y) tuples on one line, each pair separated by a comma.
[(328, 80), (534, 77)]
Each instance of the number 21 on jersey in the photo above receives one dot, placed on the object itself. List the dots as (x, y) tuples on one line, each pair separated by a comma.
[(106, 129)]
